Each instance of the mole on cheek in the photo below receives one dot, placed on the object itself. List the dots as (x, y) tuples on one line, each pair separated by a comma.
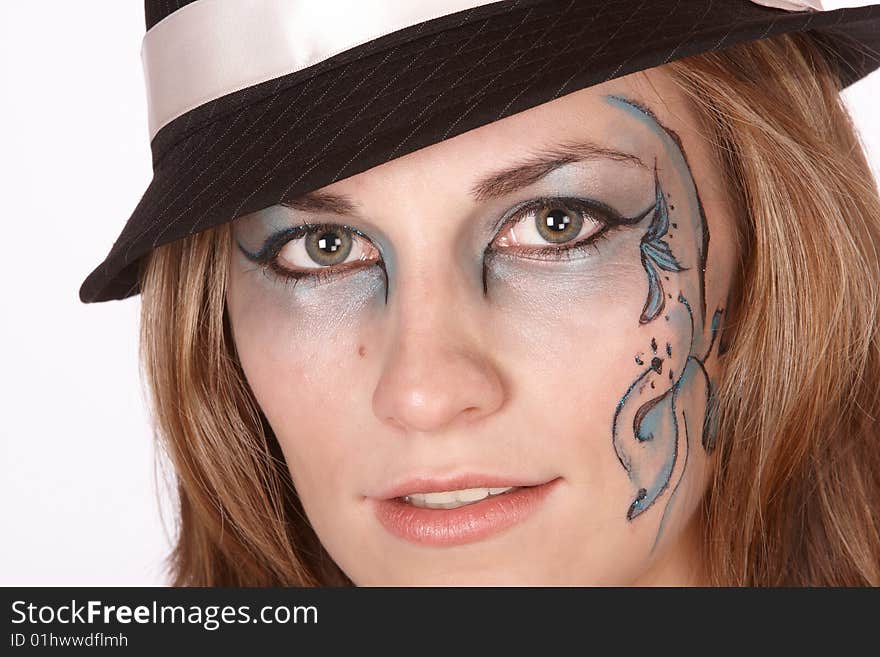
[(361, 351)]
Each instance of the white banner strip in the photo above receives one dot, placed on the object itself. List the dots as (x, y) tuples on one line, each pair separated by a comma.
[(210, 48)]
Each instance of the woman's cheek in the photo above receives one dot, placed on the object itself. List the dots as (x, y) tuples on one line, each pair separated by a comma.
[(577, 319), (294, 342), (571, 335)]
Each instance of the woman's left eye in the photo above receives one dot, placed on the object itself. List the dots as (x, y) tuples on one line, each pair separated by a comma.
[(553, 228)]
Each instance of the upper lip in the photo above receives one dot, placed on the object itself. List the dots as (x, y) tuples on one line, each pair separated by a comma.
[(436, 484)]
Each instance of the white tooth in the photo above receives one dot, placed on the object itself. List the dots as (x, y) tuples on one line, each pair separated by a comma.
[(471, 494), (440, 498), (452, 499)]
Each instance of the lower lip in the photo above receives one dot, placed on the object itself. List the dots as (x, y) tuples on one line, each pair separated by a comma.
[(466, 524)]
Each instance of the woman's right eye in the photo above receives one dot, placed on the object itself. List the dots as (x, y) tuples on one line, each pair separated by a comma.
[(320, 251)]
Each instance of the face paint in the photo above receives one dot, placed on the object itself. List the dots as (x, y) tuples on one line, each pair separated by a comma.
[(263, 237), (300, 308), (594, 269), (651, 432)]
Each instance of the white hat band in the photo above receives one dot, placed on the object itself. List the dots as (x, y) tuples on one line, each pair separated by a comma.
[(210, 48)]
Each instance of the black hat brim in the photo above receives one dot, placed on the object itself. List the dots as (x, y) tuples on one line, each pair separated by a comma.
[(407, 90)]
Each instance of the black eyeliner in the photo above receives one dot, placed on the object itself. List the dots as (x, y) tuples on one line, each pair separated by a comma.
[(616, 218), (273, 244), (611, 219)]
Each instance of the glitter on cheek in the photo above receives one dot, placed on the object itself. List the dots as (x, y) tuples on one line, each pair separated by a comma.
[(296, 344), (335, 302), (603, 273), (303, 317), (566, 321)]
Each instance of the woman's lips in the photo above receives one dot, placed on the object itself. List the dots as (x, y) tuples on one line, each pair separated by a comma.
[(466, 524)]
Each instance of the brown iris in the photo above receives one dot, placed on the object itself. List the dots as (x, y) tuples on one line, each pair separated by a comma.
[(328, 246), (556, 224)]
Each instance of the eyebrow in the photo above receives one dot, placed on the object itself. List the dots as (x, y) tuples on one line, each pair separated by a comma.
[(495, 185)]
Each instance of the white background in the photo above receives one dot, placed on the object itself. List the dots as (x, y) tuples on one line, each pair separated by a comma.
[(80, 492)]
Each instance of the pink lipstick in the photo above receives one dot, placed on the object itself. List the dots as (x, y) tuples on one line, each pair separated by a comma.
[(416, 522)]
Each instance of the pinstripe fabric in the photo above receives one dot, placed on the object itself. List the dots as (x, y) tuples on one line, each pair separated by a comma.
[(156, 10), (272, 142)]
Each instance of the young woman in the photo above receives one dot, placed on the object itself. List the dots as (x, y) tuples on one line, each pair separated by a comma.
[(625, 336)]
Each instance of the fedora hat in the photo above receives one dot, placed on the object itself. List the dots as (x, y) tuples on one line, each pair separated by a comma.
[(252, 103)]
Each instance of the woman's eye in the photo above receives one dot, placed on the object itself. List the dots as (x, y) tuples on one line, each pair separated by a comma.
[(323, 250), (552, 227)]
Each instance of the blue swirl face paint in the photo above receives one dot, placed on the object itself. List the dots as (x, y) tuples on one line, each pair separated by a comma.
[(656, 416), (656, 256)]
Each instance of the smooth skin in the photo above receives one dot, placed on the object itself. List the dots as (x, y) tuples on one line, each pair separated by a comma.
[(448, 359)]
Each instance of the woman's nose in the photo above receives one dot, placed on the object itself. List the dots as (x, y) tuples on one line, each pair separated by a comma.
[(438, 374)]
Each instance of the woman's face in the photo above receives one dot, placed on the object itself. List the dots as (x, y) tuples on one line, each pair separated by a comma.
[(534, 303)]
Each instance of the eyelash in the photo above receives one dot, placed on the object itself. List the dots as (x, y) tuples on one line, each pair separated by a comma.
[(267, 259)]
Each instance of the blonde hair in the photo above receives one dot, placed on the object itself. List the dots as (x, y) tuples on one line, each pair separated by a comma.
[(793, 500)]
